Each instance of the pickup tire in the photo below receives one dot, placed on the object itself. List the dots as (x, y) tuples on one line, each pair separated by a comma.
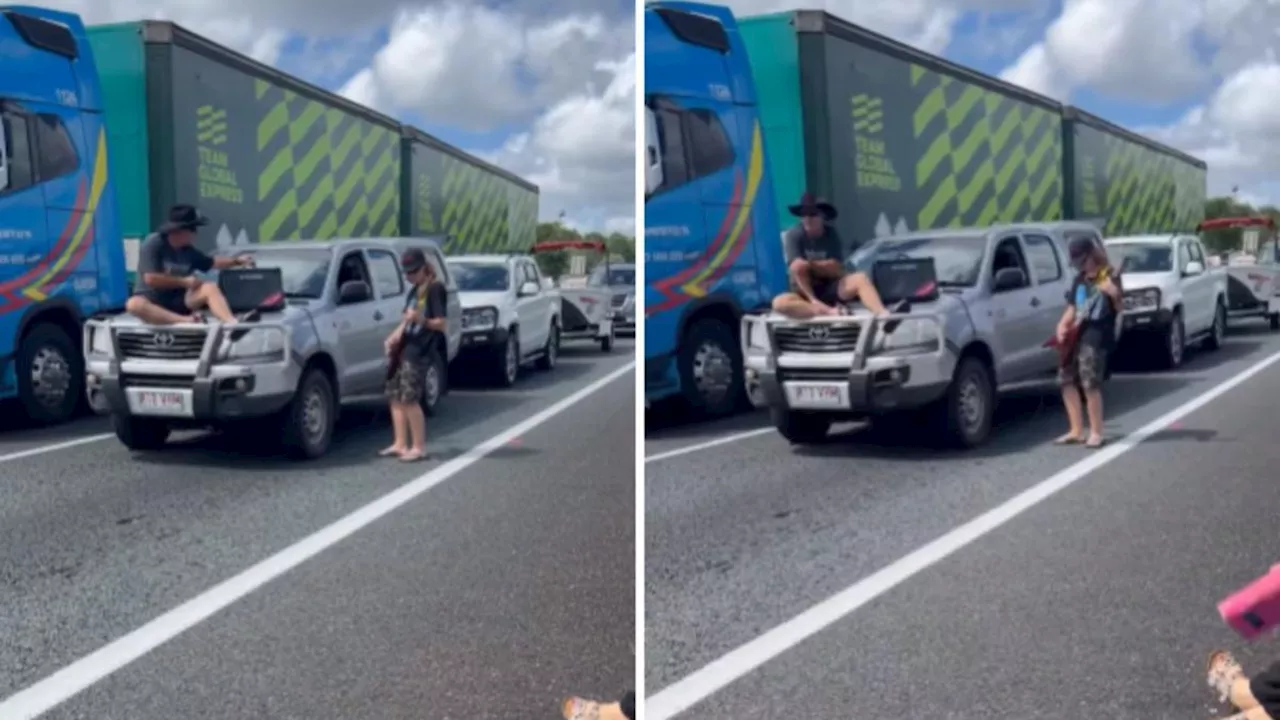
[(551, 352), (710, 365), (506, 361), (434, 379), (800, 428), (1275, 321), (140, 433), (966, 412), (50, 375), (606, 342), (1174, 350), (309, 419), (1218, 333)]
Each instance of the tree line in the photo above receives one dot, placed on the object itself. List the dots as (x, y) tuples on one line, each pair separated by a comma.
[(555, 264)]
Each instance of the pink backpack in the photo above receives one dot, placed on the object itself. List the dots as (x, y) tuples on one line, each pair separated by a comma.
[(1255, 608)]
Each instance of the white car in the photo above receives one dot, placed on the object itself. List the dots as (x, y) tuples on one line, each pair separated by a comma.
[(510, 315), (1173, 298)]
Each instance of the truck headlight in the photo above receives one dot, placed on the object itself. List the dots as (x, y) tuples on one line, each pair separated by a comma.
[(913, 336), (100, 342), (260, 344), (483, 318), (1142, 300)]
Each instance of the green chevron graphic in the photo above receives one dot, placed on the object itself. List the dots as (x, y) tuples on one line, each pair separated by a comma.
[(868, 114), (1138, 190), (211, 125)]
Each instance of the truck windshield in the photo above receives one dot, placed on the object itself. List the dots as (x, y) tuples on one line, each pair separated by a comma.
[(1141, 257), (480, 277), (304, 271), (617, 276), (958, 259)]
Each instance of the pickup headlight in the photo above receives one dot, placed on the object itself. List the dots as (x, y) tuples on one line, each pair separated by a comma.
[(484, 318), (755, 337), (260, 344), (100, 342), (913, 336), (1142, 300)]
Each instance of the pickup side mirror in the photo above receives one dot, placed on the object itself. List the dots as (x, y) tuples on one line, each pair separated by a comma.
[(354, 291), (1009, 279), (4, 155), (529, 289), (1193, 268)]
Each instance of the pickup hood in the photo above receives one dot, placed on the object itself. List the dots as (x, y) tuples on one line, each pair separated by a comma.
[(947, 304), (292, 314), (1147, 280), (477, 298)]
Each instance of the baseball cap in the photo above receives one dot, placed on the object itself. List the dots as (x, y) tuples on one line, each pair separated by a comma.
[(1079, 248), (412, 260)]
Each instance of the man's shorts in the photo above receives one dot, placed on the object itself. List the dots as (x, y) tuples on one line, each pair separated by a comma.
[(174, 302), (1086, 369), (827, 293)]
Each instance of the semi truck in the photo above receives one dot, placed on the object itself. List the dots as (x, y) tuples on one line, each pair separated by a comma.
[(899, 140), (105, 127)]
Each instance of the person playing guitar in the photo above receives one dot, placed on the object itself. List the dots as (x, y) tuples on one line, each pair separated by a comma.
[(1085, 338), (422, 329)]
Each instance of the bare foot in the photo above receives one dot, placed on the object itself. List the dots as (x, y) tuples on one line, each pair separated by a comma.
[(392, 450), (576, 708), (1095, 441), (1071, 438), (1223, 671), (413, 455)]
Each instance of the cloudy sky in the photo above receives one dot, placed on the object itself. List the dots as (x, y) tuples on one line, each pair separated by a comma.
[(544, 88), (1201, 75)]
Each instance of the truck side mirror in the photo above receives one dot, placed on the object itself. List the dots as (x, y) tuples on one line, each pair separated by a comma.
[(4, 155), (653, 155)]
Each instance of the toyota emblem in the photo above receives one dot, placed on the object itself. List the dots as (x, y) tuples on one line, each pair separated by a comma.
[(819, 332), (163, 339)]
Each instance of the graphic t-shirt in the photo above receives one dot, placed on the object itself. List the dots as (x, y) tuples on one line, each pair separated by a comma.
[(157, 257), (1094, 310), (419, 339), (800, 246)]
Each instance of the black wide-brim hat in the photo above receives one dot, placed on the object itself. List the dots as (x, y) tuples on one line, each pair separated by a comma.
[(183, 217), (810, 204)]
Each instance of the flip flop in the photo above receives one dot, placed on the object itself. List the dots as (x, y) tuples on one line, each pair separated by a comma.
[(1095, 444), (411, 457), (389, 452), (901, 306), (1223, 670), (1069, 439), (249, 317)]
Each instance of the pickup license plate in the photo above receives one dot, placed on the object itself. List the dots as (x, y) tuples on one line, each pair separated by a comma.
[(158, 402), (818, 396)]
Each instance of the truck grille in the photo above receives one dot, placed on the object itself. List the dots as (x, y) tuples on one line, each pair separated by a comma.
[(818, 338), (161, 344)]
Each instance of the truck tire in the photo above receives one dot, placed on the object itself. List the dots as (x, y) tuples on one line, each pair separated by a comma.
[(50, 374), (710, 365), (506, 362), (800, 428), (309, 419), (1174, 349), (966, 412), (551, 352), (140, 433), (1218, 333), (434, 381)]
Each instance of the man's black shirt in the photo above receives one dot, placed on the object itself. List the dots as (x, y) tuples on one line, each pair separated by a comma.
[(419, 339)]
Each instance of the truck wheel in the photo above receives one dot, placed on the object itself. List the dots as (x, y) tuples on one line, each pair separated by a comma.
[(1175, 343), (800, 428), (551, 353), (710, 366), (969, 406), (309, 418), (137, 433), (1218, 334), (433, 382), (506, 362), (50, 374)]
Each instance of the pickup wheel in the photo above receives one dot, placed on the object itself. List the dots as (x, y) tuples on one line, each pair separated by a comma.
[(1275, 321), (800, 428), (506, 362), (969, 406), (1175, 343), (140, 433), (606, 342), (433, 381), (551, 353), (50, 374), (710, 365), (1218, 333), (309, 418)]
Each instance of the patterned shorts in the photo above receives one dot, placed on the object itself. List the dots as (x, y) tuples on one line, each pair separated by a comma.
[(1087, 369), (406, 385)]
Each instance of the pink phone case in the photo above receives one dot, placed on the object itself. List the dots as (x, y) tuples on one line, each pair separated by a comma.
[(1255, 608)]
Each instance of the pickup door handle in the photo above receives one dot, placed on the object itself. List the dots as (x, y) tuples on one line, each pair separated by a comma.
[(1035, 302), (377, 315)]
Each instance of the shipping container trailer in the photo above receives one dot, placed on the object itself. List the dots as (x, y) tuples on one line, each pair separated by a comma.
[(1133, 183), (479, 206)]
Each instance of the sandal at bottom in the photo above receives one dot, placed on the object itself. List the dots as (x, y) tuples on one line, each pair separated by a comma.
[(1223, 670), (1094, 444), (390, 452), (1069, 439)]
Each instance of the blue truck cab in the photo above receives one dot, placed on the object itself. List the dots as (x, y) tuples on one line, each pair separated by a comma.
[(61, 257), (713, 249)]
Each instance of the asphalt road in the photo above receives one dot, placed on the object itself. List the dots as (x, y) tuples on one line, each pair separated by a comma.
[(506, 586), (1098, 602)]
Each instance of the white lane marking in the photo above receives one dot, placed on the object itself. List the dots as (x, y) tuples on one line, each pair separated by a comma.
[(81, 674), (701, 684), (699, 447), (32, 452)]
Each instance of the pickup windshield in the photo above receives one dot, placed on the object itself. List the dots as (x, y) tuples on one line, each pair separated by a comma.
[(481, 277), (958, 259), (1141, 257), (303, 271), (617, 277)]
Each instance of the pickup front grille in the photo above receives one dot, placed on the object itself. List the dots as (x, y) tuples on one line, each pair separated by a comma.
[(619, 300), (161, 344), (817, 338), (157, 381)]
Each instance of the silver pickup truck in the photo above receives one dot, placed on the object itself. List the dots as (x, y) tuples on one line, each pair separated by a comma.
[(1000, 293), (289, 375)]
